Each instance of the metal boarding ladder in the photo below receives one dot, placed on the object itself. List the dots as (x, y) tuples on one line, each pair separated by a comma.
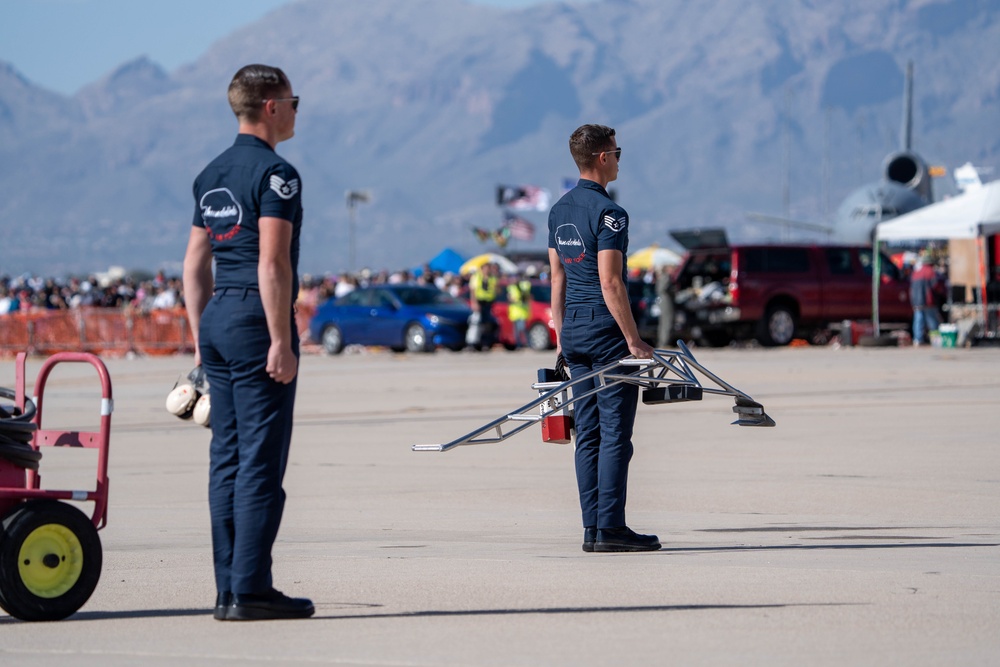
[(670, 376)]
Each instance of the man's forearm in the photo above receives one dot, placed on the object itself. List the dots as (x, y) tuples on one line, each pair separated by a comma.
[(616, 298), (275, 282), (609, 265), (557, 279), (197, 280), (196, 295)]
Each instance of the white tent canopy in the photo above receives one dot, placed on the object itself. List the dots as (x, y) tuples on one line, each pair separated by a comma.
[(972, 215), (967, 216)]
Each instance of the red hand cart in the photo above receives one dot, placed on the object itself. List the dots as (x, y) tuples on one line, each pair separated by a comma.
[(50, 553)]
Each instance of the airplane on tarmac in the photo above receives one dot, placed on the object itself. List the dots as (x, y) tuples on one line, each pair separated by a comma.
[(905, 186)]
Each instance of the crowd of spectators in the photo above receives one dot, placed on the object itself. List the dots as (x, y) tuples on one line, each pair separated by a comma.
[(315, 289), (27, 293)]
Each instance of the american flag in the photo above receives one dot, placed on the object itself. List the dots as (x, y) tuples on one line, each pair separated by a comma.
[(523, 197), (519, 228)]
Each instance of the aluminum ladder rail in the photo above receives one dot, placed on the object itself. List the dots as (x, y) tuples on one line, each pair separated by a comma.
[(675, 371)]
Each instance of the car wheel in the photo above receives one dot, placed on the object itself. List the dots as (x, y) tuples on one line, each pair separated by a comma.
[(539, 338), (332, 339), (778, 326), (50, 560), (416, 339)]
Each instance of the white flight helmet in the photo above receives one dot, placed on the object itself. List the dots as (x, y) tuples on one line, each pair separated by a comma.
[(202, 410), (189, 397)]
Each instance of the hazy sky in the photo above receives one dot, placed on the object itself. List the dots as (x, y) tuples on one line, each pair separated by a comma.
[(63, 45)]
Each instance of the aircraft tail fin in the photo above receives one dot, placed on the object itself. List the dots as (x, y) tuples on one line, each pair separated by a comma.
[(906, 134)]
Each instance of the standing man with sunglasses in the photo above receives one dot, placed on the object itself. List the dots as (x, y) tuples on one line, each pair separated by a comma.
[(588, 245), (247, 218)]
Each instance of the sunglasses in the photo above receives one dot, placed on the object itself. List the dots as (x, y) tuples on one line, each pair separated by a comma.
[(617, 152), (293, 100)]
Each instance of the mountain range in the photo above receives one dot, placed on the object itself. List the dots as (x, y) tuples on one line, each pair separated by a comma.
[(721, 107)]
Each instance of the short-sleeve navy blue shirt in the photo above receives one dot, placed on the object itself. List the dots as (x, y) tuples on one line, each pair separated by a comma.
[(247, 182), (583, 222)]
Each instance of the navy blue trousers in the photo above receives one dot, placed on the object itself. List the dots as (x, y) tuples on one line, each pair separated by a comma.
[(251, 432), (590, 339)]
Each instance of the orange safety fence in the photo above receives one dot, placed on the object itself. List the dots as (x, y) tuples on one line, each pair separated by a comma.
[(161, 332), (107, 331), (104, 331)]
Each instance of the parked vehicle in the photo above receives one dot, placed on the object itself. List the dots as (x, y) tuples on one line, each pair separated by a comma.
[(777, 292), (415, 318), (541, 333)]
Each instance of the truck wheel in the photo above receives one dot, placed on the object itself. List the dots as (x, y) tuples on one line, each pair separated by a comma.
[(50, 560), (778, 326)]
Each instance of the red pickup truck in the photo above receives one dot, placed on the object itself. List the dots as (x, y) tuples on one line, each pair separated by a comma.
[(776, 292)]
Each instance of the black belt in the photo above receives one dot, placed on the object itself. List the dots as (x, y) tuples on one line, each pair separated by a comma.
[(585, 312), (241, 291)]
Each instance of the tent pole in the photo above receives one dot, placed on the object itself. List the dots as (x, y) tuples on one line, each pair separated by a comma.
[(876, 283), (983, 298)]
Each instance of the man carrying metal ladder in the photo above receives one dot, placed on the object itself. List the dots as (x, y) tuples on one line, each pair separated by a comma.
[(588, 244)]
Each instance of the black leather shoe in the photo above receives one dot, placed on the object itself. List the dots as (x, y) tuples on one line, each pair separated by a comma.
[(271, 605), (222, 602), (589, 537), (624, 539)]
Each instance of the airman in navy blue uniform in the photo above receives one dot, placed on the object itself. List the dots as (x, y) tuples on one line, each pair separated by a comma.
[(588, 246), (248, 214)]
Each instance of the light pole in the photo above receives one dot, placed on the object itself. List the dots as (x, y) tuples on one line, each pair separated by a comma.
[(354, 197)]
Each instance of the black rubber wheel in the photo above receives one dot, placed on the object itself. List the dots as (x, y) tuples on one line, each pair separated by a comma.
[(416, 339), (778, 326), (539, 338), (332, 339), (50, 560)]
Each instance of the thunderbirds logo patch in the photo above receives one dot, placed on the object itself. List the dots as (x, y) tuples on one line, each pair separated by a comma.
[(221, 213), (285, 189), (569, 244), (615, 224)]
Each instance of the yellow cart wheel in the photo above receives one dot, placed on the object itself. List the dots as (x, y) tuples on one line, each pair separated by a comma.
[(50, 560)]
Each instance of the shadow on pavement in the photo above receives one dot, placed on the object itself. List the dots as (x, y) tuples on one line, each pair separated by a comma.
[(432, 613)]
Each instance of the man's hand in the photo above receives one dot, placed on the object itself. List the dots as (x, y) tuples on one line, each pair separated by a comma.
[(562, 368), (281, 363), (641, 350)]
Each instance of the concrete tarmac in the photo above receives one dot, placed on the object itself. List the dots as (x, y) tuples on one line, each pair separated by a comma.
[(863, 530)]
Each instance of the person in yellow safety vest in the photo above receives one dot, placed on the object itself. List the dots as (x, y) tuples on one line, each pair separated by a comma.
[(518, 309), (483, 292)]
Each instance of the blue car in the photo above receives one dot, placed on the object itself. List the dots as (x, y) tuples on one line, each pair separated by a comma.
[(415, 318)]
